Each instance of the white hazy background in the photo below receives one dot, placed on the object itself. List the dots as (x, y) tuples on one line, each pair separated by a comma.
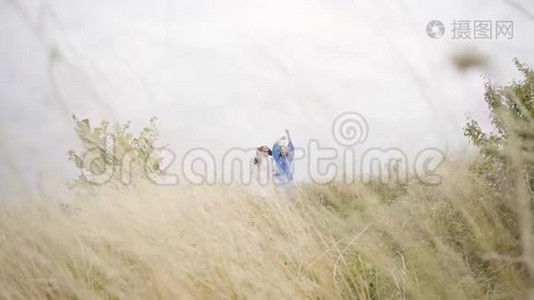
[(224, 74)]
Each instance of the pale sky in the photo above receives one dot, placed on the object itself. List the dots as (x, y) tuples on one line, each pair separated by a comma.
[(224, 74)]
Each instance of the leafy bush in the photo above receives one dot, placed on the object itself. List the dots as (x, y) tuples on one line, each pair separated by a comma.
[(507, 162), (114, 155), (512, 113)]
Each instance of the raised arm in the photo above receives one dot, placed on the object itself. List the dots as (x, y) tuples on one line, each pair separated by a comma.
[(288, 135), (290, 146)]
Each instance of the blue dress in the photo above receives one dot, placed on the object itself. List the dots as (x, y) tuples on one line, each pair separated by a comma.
[(284, 164)]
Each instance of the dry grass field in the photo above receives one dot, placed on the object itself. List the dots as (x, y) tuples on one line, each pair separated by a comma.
[(456, 240)]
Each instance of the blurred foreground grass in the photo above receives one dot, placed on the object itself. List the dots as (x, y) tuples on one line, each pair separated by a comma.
[(456, 240)]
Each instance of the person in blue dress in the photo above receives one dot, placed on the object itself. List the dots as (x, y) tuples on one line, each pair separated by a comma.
[(283, 157)]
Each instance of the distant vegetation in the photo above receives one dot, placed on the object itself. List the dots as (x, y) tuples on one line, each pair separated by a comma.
[(116, 150)]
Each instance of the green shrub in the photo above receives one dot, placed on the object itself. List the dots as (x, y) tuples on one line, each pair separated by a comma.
[(114, 155), (511, 110)]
